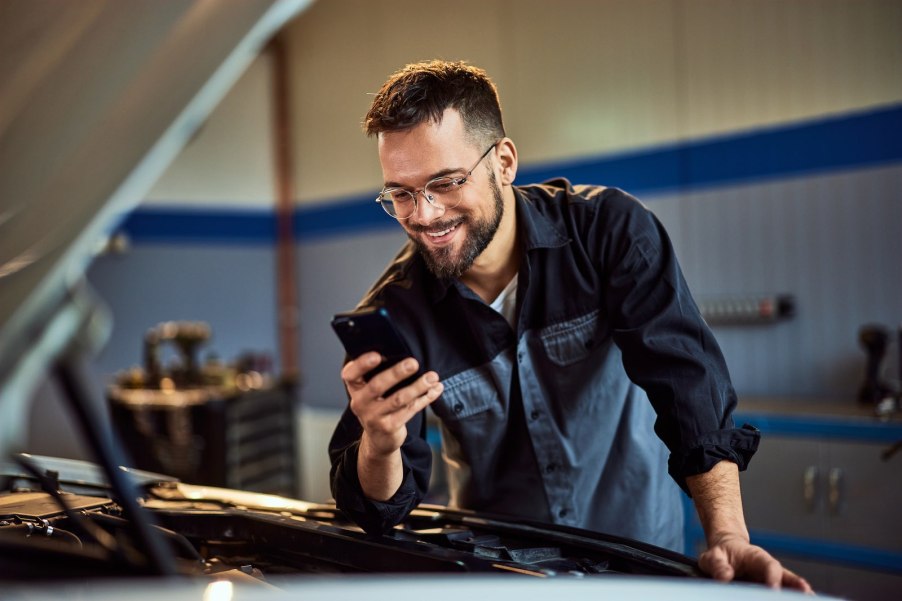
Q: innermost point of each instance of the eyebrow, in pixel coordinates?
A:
(437, 174)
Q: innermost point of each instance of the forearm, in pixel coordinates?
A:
(380, 474)
(718, 502)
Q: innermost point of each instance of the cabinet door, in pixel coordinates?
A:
(783, 485)
(863, 496)
(863, 585)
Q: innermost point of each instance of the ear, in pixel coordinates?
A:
(507, 158)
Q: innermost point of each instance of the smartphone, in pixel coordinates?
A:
(371, 329)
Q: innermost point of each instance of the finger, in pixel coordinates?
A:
(793, 580)
(760, 566)
(773, 575)
(387, 378)
(419, 403)
(424, 400)
(715, 563)
(401, 408)
(395, 411)
(353, 371)
(415, 390)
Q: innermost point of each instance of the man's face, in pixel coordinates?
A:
(449, 240)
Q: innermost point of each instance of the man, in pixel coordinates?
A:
(553, 314)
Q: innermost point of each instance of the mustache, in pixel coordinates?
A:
(436, 226)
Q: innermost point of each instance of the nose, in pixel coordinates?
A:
(426, 212)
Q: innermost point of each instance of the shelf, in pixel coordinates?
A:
(819, 419)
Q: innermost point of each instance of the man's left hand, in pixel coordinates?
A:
(730, 556)
(734, 558)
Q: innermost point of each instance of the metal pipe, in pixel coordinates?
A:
(286, 287)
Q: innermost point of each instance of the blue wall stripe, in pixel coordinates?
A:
(348, 216)
(839, 143)
(847, 142)
(811, 426)
(201, 225)
(857, 140)
(828, 551)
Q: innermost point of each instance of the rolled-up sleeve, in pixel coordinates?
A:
(670, 352)
(378, 517)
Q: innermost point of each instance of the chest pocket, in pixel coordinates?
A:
(571, 341)
(468, 394)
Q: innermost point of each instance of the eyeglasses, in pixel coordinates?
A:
(442, 192)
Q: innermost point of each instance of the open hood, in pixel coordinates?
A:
(98, 96)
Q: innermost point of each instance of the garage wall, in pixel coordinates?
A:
(603, 91)
(627, 94)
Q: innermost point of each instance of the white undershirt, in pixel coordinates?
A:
(506, 303)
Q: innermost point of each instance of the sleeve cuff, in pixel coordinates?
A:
(736, 445)
(375, 517)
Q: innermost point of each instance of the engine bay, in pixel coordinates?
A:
(56, 528)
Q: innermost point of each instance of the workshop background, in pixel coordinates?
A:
(765, 135)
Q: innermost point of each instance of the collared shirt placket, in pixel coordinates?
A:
(546, 442)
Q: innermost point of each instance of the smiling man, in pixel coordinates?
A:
(573, 377)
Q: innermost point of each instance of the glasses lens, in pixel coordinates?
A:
(443, 192)
(397, 203)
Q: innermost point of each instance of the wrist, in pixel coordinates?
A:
(724, 537)
(379, 472)
(719, 504)
(377, 451)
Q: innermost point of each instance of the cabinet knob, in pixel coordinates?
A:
(809, 487)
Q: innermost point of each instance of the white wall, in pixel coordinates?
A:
(229, 162)
(582, 77)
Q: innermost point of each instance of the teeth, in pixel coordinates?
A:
(441, 233)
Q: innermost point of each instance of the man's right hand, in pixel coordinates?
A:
(384, 420)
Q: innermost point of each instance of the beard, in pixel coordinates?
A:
(442, 262)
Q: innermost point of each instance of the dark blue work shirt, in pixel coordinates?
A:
(552, 422)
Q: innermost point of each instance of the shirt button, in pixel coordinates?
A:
(563, 512)
(535, 414)
(520, 355)
(458, 407)
(550, 468)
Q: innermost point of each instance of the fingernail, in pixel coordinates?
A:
(431, 378)
(409, 365)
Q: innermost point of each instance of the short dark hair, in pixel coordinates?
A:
(422, 91)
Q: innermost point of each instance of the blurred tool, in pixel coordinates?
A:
(874, 339)
(206, 423)
(882, 393)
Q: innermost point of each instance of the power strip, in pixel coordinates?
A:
(747, 310)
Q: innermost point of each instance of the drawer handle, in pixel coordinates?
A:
(834, 496)
(809, 487)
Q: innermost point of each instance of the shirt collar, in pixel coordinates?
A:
(536, 230)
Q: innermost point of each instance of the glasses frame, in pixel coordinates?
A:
(415, 194)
